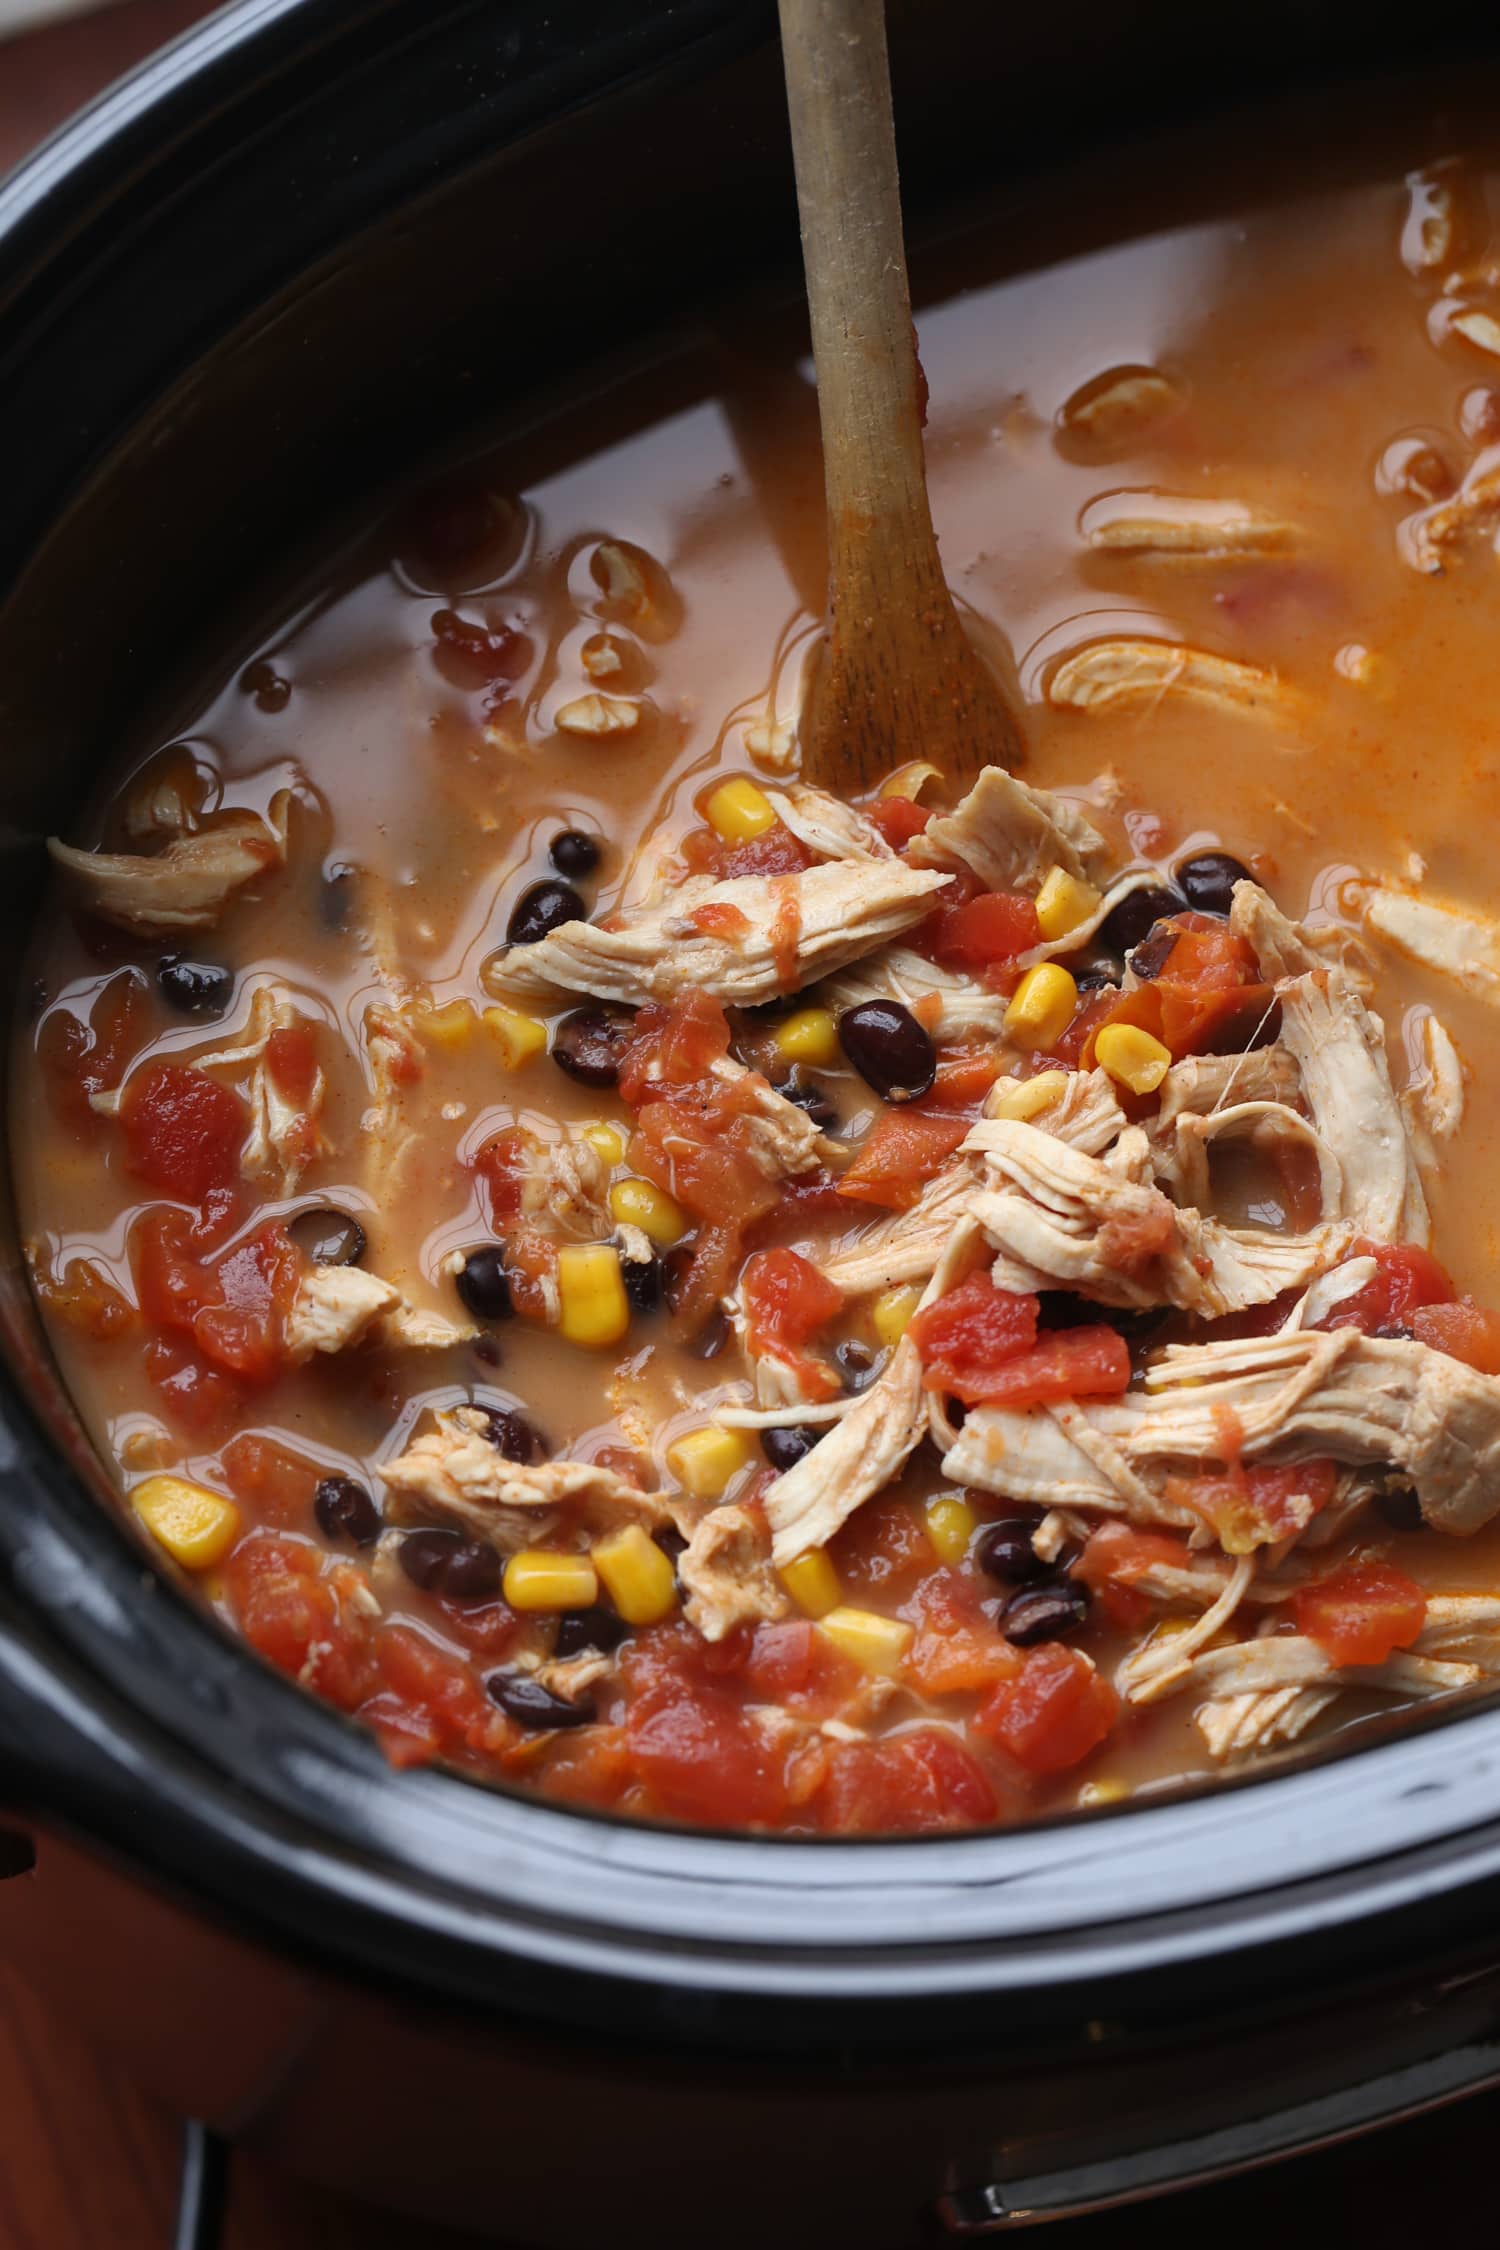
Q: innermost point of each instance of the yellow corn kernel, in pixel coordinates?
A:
(891, 1314)
(950, 1525)
(910, 780)
(519, 1038)
(1063, 902)
(196, 1526)
(545, 1578)
(638, 1577)
(704, 1461)
(1041, 1007)
(608, 1140)
(1022, 1098)
(813, 1583)
(448, 1026)
(636, 1203)
(738, 811)
(879, 1644)
(595, 1309)
(810, 1036)
(1132, 1057)
(1106, 1792)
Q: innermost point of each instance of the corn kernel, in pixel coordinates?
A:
(608, 1140)
(1132, 1057)
(448, 1026)
(638, 1577)
(813, 1583)
(738, 811)
(519, 1038)
(1106, 1792)
(1041, 1007)
(891, 1314)
(704, 1461)
(878, 1644)
(950, 1526)
(595, 1309)
(544, 1578)
(196, 1526)
(810, 1036)
(1023, 1098)
(1063, 902)
(911, 779)
(636, 1203)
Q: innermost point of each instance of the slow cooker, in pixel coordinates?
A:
(259, 279)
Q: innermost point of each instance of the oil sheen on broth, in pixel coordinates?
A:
(1314, 369)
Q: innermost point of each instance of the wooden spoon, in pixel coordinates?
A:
(897, 677)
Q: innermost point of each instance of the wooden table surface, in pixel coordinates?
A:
(89, 2163)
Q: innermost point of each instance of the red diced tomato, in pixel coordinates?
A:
(1362, 1613)
(1053, 1713)
(289, 1610)
(1248, 1508)
(957, 1651)
(1464, 1331)
(195, 1396)
(795, 1664)
(502, 1164)
(969, 1335)
(84, 1298)
(881, 1551)
(243, 1333)
(183, 1131)
(268, 1477)
(292, 1062)
(1118, 1551)
(1088, 1362)
(1405, 1280)
(902, 1153)
(715, 919)
(673, 1047)
(995, 926)
(172, 1283)
(79, 1059)
(703, 1760)
(776, 852)
(964, 1076)
(898, 819)
(910, 1784)
(439, 1688)
(786, 1302)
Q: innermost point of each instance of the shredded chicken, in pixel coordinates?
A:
(1433, 1098)
(286, 1135)
(457, 1472)
(1110, 674)
(1427, 538)
(828, 826)
(187, 885)
(1458, 943)
(726, 1575)
(950, 1005)
(859, 1456)
(335, 1306)
(1007, 834)
(1171, 528)
(745, 940)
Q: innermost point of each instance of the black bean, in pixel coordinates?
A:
(1127, 923)
(884, 1042)
(670, 1540)
(328, 1237)
(445, 1562)
(1156, 948)
(1005, 1552)
(546, 906)
(486, 1351)
(1254, 1022)
(510, 1433)
(1059, 1308)
(856, 1364)
(787, 1444)
(194, 988)
(336, 897)
(573, 853)
(344, 1510)
(531, 1705)
(645, 1283)
(1096, 978)
(1208, 880)
(1395, 1331)
(812, 1098)
(580, 1629)
(1045, 1613)
(1400, 1506)
(590, 1043)
(712, 1337)
(482, 1283)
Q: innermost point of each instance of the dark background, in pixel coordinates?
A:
(87, 2162)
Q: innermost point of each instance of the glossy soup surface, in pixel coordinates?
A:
(1311, 366)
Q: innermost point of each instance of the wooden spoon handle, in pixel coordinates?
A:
(849, 196)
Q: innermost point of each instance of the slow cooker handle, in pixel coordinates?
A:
(971, 2214)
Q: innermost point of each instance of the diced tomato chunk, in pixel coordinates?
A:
(786, 1302)
(673, 1047)
(898, 819)
(502, 1164)
(79, 1059)
(292, 1062)
(84, 1298)
(957, 1651)
(1362, 1613)
(183, 1131)
(910, 1784)
(1405, 1279)
(902, 1153)
(970, 1334)
(1464, 1331)
(196, 1396)
(1206, 992)
(881, 1551)
(964, 1076)
(272, 1479)
(245, 1332)
(776, 852)
(793, 1663)
(1118, 1552)
(995, 926)
(1249, 1508)
(288, 1609)
(1089, 1362)
(1053, 1713)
